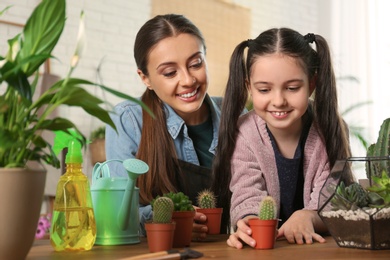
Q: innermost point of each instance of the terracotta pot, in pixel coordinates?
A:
(160, 236)
(21, 196)
(213, 221)
(98, 151)
(183, 231)
(264, 232)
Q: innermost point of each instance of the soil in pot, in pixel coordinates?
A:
(355, 229)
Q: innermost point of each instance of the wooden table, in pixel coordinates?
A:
(216, 248)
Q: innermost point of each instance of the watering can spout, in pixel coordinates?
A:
(134, 168)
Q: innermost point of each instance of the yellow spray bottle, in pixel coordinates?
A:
(73, 226)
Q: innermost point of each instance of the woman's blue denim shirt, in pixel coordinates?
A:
(124, 144)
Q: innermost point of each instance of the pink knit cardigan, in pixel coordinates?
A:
(254, 172)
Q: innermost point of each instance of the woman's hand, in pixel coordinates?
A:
(242, 235)
(199, 229)
(301, 227)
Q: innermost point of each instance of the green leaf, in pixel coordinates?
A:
(42, 32)
(16, 79)
(5, 9)
(57, 123)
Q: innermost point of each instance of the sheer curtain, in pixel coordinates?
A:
(357, 30)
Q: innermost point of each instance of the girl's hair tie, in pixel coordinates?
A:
(310, 37)
(249, 42)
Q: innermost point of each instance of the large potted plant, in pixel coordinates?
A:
(23, 119)
(358, 216)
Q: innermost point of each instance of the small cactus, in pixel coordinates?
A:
(206, 199)
(379, 149)
(267, 209)
(162, 210)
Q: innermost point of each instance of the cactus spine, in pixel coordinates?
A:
(380, 148)
(267, 209)
(206, 199)
(162, 210)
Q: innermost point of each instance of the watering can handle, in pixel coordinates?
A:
(101, 170)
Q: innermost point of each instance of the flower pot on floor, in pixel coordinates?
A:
(160, 236)
(98, 151)
(213, 222)
(264, 232)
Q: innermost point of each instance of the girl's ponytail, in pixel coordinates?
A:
(326, 109)
(236, 95)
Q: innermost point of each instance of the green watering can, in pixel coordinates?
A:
(115, 203)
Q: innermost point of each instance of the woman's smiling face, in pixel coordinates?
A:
(178, 73)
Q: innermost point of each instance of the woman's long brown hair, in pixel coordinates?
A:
(156, 147)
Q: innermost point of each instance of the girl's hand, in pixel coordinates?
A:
(242, 235)
(300, 227)
(199, 229)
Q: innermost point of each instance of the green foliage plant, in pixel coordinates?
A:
(267, 209)
(355, 196)
(206, 199)
(162, 210)
(98, 133)
(22, 118)
(181, 201)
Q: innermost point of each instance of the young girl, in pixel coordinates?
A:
(179, 143)
(286, 146)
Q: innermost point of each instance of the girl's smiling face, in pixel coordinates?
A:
(178, 75)
(280, 92)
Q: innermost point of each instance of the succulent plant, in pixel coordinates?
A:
(267, 209)
(206, 199)
(380, 149)
(162, 210)
(349, 197)
(379, 192)
(181, 201)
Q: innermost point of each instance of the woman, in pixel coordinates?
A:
(178, 143)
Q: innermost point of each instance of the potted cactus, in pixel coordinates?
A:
(207, 205)
(183, 214)
(160, 231)
(356, 215)
(264, 227)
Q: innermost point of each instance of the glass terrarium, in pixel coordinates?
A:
(350, 210)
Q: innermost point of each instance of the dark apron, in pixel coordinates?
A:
(192, 178)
